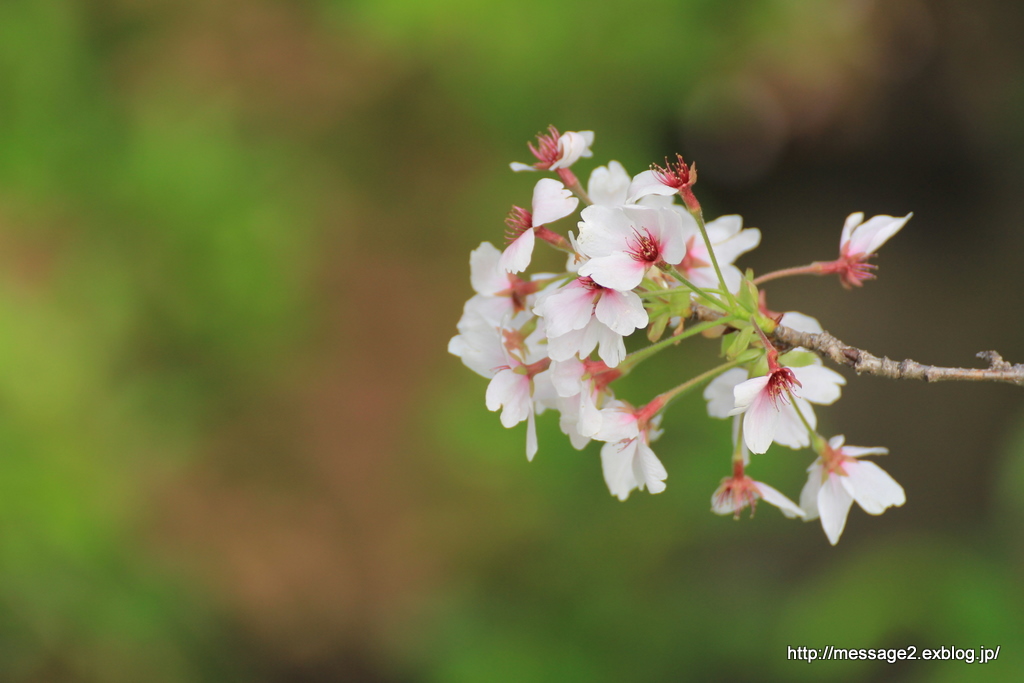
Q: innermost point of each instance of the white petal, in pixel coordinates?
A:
(800, 322)
(819, 384)
(544, 394)
(833, 505)
(618, 271)
(722, 505)
(744, 393)
(608, 184)
(568, 309)
(728, 250)
(618, 423)
(872, 487)
(511, 390)
(719, 394)
(852, 221)
(790, 431)
(603, 231)
(566, 376)
(485, 275)
(617, 466)
(531, 437)
(499, 389)
(551, 201)
(869, 236)
(773, 496)
(623, 312)
(647, 469)
(573, 145)
(809, 494)
(860, 451)
(723, 227)
(611, 348)
(480, 347)
(565, 346)
(647, 183)
(590, 418)
(516, 257)
(760, 422)
(517, 166)
(568, 423)
(708, 278)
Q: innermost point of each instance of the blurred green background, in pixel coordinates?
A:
(234, 241)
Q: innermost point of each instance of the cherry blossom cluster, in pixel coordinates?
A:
(643, 258)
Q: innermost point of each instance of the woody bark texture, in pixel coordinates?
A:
(866, 363)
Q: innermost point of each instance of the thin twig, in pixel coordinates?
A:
(866, 363)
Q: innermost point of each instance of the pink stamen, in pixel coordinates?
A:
(681, 178)
(740, 491)
(644, 248)
(780, 384)
(546, 150)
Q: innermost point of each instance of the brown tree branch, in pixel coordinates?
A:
(864, 362)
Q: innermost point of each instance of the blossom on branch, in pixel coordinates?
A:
(859, 242)
(627, 459)
(739, 491)
(551, 201)
(838, 478)
(641, 260)
(582, 315)
(554, 151)
(623, 243)
(769, 403)
(671, 179)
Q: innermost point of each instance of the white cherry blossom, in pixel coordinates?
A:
(674, 178)
(739, 491)
(622, 243)
(768, 413)
(838, 478)
(582, 314)
(627, 459)
(769, 404)
(554, 151)
(582, 387)
(859, 242)
(551, 201)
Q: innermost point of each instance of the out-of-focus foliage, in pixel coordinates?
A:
(233, 244)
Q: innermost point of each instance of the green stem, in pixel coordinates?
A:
(700, 292)
(699, 216)
(816, 439)
(663, 292)
(675, 392)
(633, 359)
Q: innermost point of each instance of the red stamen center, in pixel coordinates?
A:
(780, 384)
(644, 248)
(740, 492)
(546, 150)
(674, 174)
(518, 221)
